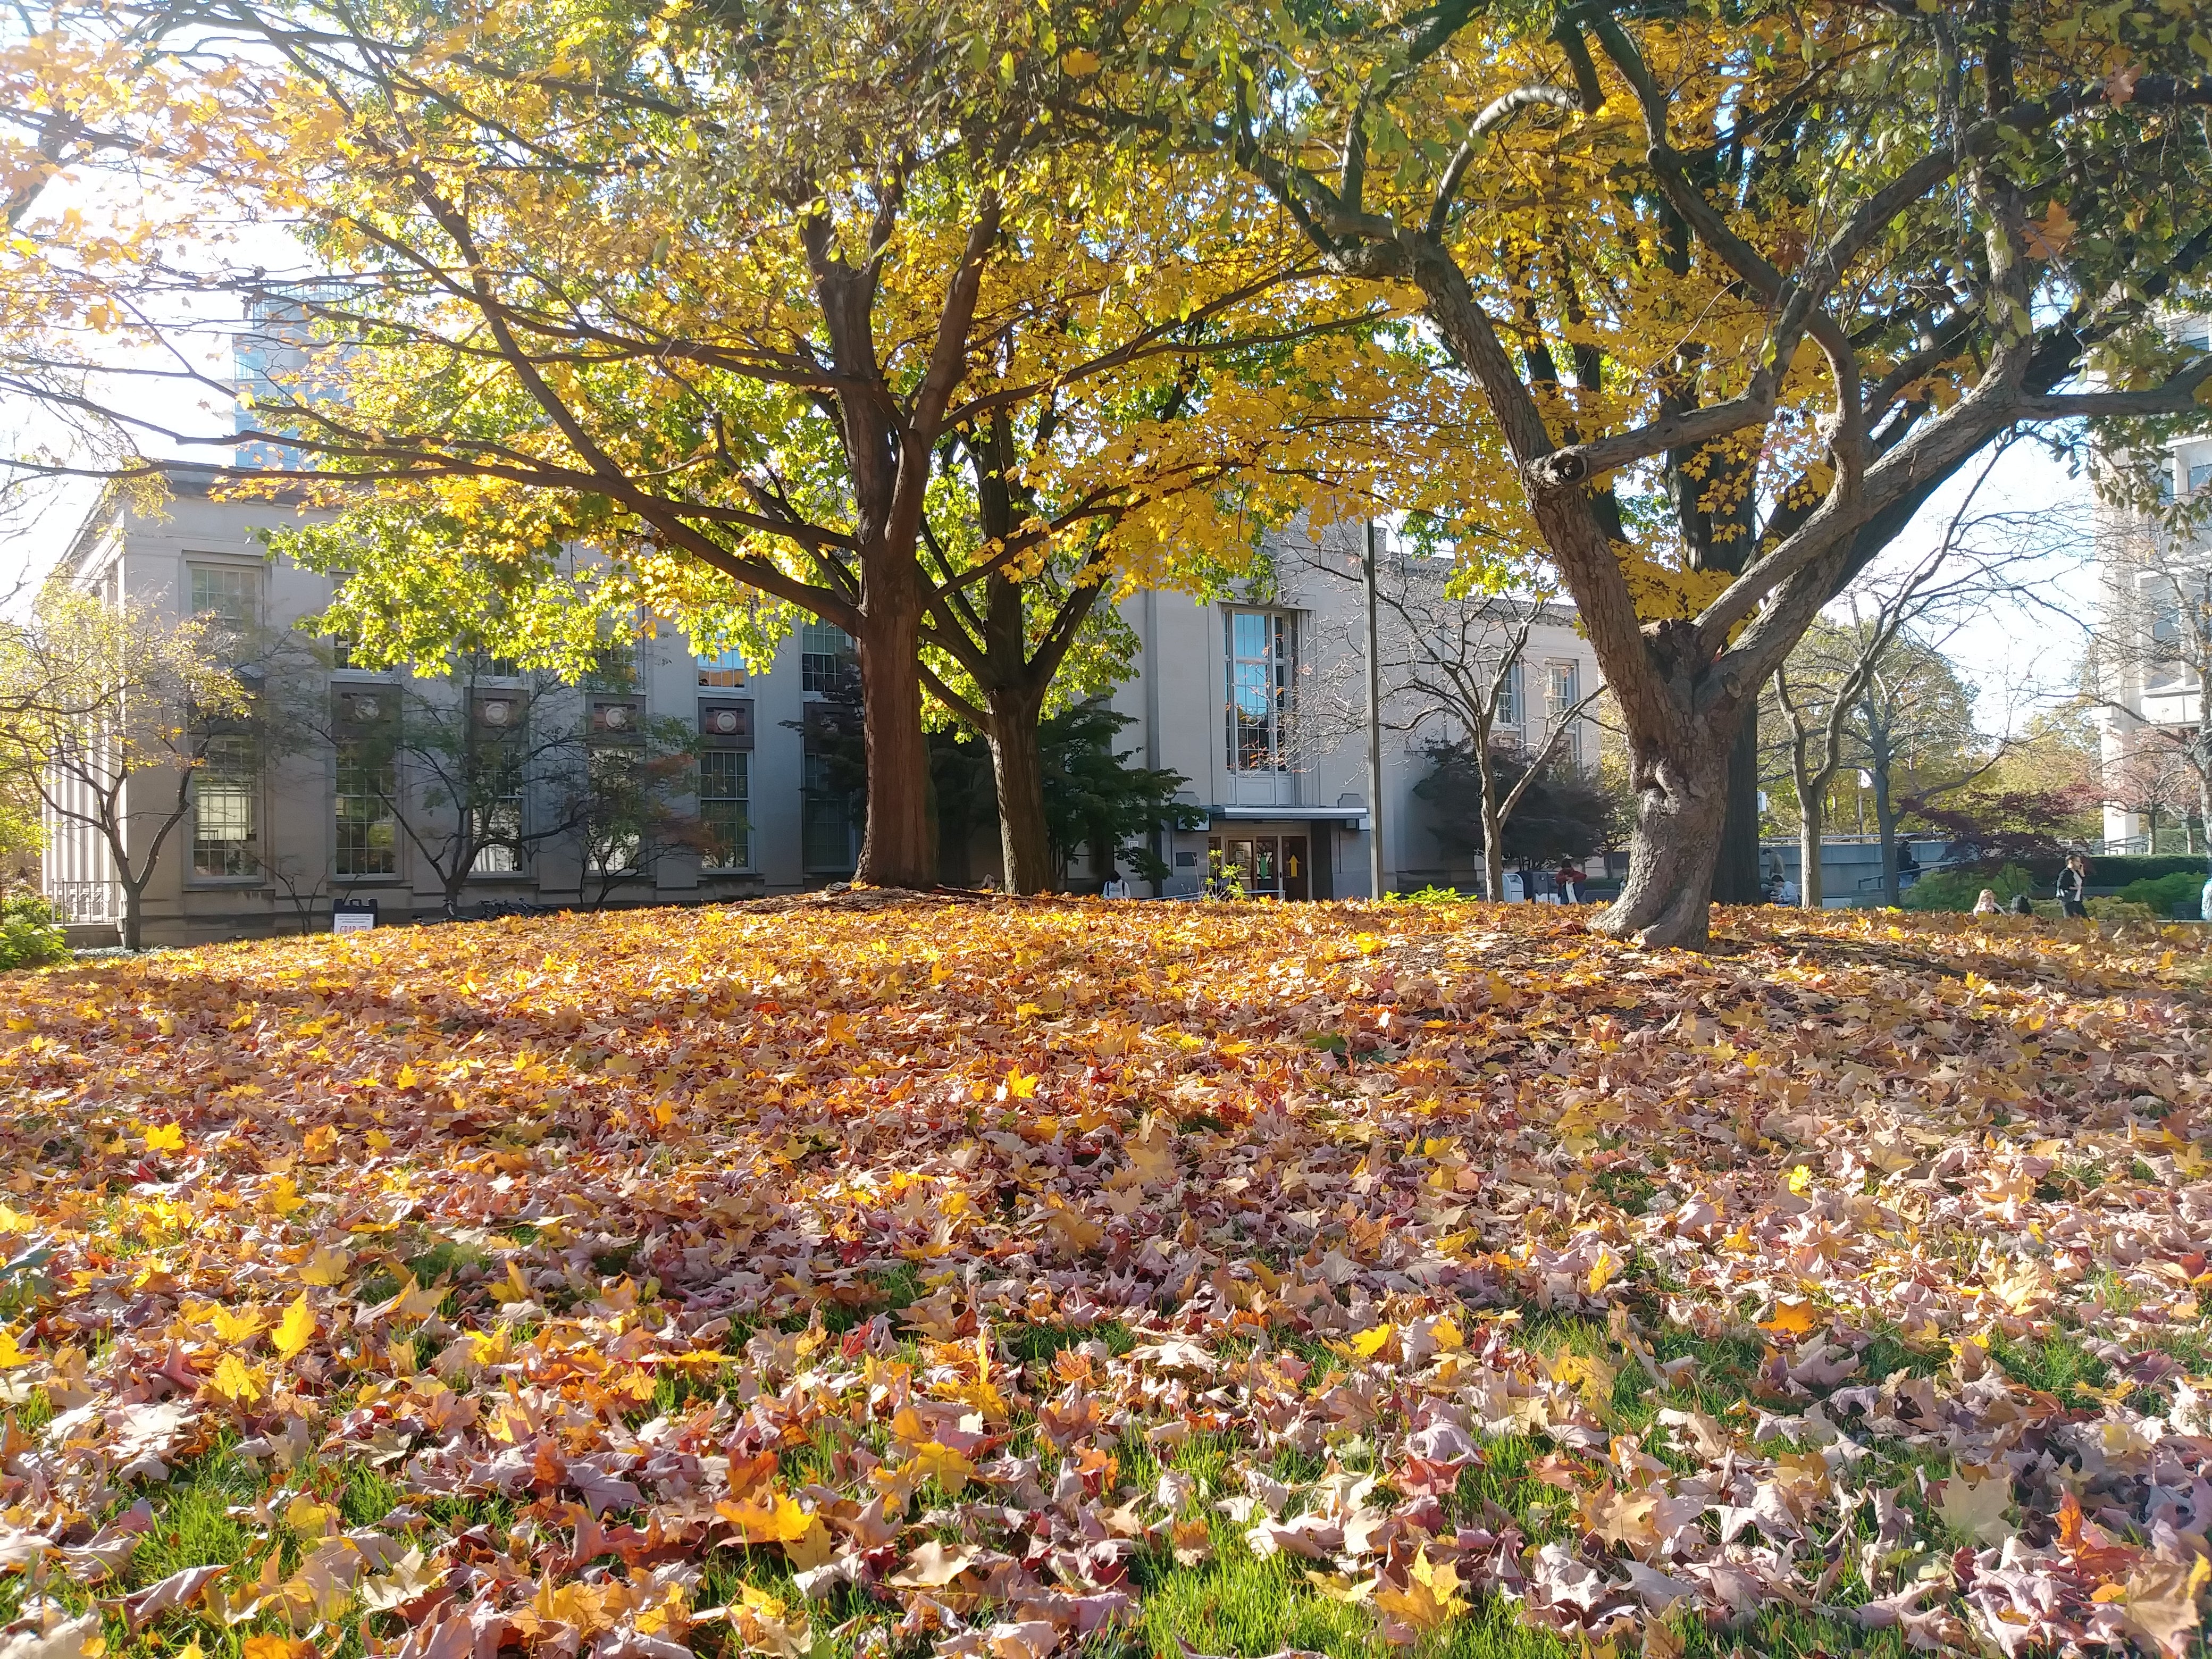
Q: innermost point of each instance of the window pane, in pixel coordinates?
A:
(367, 831)
(724, 668)
(225, 593)
(1259, 691)
(498, 821)
(826, 658)
(826, 819)
(223, 801)
(723, 783)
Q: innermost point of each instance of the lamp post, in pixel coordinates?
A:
(1374, 729)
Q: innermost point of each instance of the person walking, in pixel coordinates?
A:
(2074, 885)
(1115, 888)
(1569, 878)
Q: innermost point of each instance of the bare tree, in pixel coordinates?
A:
(1865, 689)
(107, 712)
(473, 776)
(1450, 659)
(620, 795)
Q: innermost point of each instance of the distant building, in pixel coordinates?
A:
(1218, 696)
(2148, 696)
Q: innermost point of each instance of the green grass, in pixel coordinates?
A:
(1234, 1603)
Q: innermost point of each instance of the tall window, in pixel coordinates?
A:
(826, 660)
(826, 817)
(367, 831)
(614, 666)
(2200, 474)
(723, 668)
(724, 788)
(1562, 689)
(497, 816)
(1259, 691)
(1510, 701)
(225, 592)
(223, 800)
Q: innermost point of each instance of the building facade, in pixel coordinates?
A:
(1224, 693)
(2149, 689)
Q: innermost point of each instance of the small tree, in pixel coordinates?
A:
(1562, 810)
(1450, 654)
(621, 793)
(474, 779)
(1093, 797)
(106, 711)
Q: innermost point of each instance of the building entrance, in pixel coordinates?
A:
(1263, 866)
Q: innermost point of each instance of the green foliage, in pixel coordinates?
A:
(1431, 895)
(1563, 815)
(30, 932)
(1958, 890)
(2162, 893)
(2118, 910)
(1092, 794)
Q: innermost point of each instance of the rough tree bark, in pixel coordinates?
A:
(1735, 871)
(898, 847)
(1017, 768)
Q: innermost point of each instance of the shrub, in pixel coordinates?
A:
(1957, 890)
(30, 932)
(2162, 893)
(1432, 894)
(2120, 910)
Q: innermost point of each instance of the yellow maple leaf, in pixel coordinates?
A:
(933, 1459)
(1022, 1086)
(774, 1518)
(234, 1326)
(165, 1137)
(1369, 1343)
(284, 1195)
(326, 1266)
(1791, 1318)
(296, 1330)
(1430, 1597)
(11, 1355)
(237, 1382)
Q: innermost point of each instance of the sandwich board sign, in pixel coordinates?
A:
(353, 915)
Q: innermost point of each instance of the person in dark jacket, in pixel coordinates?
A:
(2074, 885)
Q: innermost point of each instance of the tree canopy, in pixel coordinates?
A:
(1738, 287)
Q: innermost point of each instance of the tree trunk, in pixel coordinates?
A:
(897, 849)
(134, 917)
(1682, 800)
(1885, 819)
(1493, 823)
(1017, 768)
(1810, 822)
(1735, 873)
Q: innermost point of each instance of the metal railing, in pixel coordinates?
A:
(86, 901)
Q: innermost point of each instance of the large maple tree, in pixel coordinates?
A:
(722, 297)
(1738, 290)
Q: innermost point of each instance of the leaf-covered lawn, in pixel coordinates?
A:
(859, 1277)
